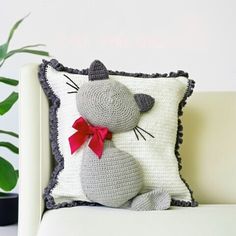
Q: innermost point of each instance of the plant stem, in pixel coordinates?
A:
(2, 63)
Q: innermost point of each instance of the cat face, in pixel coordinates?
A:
(108, 103)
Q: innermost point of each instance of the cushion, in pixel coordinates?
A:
(214, 220)
(154, 143)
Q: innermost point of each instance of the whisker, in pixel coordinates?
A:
(136, 134)
(140, 133)
(145, 131)
(72, 86)
(72, 81)
(72, 92)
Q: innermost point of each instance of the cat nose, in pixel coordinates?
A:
(111, 100)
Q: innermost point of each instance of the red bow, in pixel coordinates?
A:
(84, 131)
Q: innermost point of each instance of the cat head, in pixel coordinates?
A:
(108, 103)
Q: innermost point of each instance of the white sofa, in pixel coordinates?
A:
(209, 166)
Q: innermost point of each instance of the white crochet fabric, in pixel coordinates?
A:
(156, 155)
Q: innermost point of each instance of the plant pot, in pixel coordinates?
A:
(8, 208)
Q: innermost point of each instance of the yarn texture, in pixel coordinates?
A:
(117, 177)
(155, 200)
(108, 103)
(112, 180)
(158, 157)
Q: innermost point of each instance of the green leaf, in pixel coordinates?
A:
(31, 46)
(3, 51)
(6, 105)
(4, 47)
(10, 146)
(9, 81)
(13, 29)
(36, 52)
(31, 51)
(9, 133)
(21, 50)
(17, 173)
(8, 176)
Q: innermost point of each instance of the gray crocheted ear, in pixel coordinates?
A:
(145, 102)
(97, 71)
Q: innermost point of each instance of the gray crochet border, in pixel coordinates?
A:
(54, 104)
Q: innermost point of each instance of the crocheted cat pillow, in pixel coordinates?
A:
(110, 176)
(145, 129)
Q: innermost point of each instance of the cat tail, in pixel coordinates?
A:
(156, 199)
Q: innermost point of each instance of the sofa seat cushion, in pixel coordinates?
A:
(100, 221)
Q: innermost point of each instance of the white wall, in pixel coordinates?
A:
(198, 36)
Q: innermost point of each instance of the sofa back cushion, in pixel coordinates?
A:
(209, 148)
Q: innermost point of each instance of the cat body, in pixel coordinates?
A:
(115, 178)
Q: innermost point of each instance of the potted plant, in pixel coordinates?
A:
(9, 175)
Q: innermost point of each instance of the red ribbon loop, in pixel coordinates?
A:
(84, 131)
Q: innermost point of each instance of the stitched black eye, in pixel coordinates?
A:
(72, 84)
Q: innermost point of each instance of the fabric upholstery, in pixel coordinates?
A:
(205, 220)
(209, 148)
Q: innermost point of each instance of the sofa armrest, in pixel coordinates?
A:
(34, 157)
